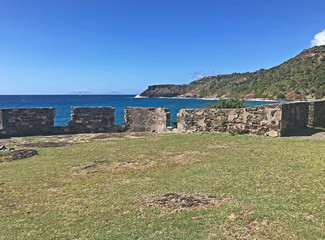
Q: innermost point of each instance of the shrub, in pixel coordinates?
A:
(174, 122)
(280, 96)
(233, 103)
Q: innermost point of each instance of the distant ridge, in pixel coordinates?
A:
(299, 78)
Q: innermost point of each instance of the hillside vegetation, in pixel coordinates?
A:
(300, 78)
(171, 186)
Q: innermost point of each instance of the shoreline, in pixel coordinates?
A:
(218, 99)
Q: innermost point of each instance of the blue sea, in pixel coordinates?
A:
(62, 104)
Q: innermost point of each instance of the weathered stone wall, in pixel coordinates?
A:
(260, 120)
(147, 119)
(1, 119)
(316, 117)
(40, 121)
(270, 120)
(26, 121)
(294, 116)
(91, 119)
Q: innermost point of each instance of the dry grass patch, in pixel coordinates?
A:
(252, 229)
(140, 162)
(240, 214)
(45, 144)
(112, 136)
(179, 201)
(107, 166)
(218, 146)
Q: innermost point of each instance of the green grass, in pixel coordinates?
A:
(279, 180)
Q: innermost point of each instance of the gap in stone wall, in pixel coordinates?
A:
(60, 118)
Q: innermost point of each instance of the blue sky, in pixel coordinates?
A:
(105, 47)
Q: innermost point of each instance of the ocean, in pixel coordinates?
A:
(62, 104)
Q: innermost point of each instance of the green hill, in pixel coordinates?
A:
(300, 78)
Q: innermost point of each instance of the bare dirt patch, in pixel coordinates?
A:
(38, 140)
(252, 226)
(179, 201)
(108, 136)
(45, 144)
(106, 166)
(169, 159)
(17, 155)
(239, 214)
(179, 159)
(252, 229)
(109, 166)
(133, 164)
(105, 136)
(67, 139)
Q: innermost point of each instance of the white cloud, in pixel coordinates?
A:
(319, 39)
(201, 74)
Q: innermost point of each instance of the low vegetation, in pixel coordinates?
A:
(169, 186)
(232, 103)
(174, 122)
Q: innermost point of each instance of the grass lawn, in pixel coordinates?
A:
(270, 188)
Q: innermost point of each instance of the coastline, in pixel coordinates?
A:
(244, 99)
(252, 99)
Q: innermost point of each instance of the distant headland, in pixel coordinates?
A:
(299, 78)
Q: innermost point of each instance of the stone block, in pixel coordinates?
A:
(26, 121)
(294, 116)
(316, 116)
(255, 120)
(147, 119)
(91, 119)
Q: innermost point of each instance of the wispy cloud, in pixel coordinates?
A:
(201, 74)
(319, 39)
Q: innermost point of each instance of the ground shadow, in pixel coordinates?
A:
(305, 132)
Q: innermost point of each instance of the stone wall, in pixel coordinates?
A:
(260, 120)
(268, 120)
(26, 121)
(1, 126)
(40, 121)
(294, 116)
(91, 119)
(316, 117)
(147, 119)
